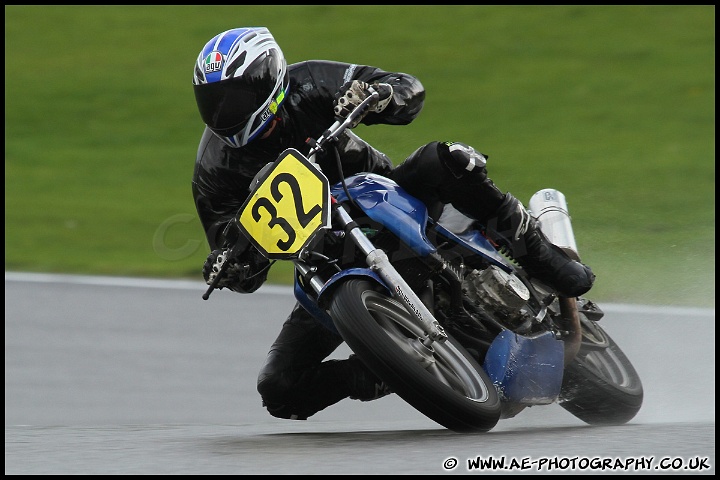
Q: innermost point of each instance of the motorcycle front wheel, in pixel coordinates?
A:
(600, 386)
(442, 380)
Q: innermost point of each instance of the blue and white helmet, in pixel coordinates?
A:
(240, 81)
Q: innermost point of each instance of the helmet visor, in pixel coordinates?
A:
(227, 106)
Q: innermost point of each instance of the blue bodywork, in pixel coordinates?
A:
(525, 370)
(476, 241)
(314, 307)
(386, 203)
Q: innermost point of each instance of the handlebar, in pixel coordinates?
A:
(216, 280)
(340, 126)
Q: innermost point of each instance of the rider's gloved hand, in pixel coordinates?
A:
(351, 94)
(245, 273)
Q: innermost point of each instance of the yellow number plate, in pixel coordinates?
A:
(290, 203)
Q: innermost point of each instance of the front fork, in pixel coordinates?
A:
(379, 263)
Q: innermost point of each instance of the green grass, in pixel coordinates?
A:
(612, 105)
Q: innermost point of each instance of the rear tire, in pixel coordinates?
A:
(443, 382)
(600, 386)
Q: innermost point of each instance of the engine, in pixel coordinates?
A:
(497, 293)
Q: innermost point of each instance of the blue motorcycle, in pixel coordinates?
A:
(452, 325)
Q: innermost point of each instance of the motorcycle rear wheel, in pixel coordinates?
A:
(443, 382)
(600, 386)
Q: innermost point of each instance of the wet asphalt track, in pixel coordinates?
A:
(108, 376)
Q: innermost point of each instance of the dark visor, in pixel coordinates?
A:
(227, 106)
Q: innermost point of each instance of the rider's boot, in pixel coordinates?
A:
(364, 385)
(507, 222)
(512, 227)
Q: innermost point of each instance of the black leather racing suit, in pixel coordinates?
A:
(295, 382)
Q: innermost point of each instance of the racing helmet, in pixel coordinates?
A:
(240, 81)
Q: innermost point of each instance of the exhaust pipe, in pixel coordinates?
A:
(550, 209)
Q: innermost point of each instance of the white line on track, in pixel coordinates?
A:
(199, 285)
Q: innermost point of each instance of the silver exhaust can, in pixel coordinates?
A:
(549, 208)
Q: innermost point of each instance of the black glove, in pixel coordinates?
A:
(352, 94)
(245, 273)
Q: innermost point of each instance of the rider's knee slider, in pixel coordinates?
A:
(462, 159)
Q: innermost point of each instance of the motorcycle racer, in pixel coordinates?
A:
(255, 106)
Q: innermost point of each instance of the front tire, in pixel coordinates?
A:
(601, 386)
(441, 381)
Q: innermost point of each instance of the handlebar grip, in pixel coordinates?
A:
(364, 105)
(241, 244)
(216, 280)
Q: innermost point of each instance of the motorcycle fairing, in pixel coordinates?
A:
(526, 370)
(385, 202)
